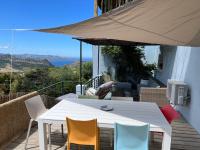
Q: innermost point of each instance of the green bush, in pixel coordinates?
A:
(37, 79)
(128, 60)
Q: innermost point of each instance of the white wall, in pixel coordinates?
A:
(186, 67)
(180, 67)
(95, 60)
(105, 64)
(191, 75)
(169, 53)
(151, 54)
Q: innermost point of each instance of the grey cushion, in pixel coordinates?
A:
(103, 89)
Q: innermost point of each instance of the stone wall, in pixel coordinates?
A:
(14, 118)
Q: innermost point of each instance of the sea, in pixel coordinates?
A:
(61, 63)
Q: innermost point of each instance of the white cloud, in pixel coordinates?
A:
(4, 46)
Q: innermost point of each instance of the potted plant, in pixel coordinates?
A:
(147, 73)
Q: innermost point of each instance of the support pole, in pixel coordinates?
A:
(95, 8)
(98, 66)
(98, 60)
(102, 6)
(81, 67)
(109, 5)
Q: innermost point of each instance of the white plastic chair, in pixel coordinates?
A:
(35, 108)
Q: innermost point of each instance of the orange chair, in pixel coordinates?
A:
(82, 133)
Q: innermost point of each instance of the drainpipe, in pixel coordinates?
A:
(95, 15)
(98, 60)
(81, 67)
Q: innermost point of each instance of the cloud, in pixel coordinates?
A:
(4, 46)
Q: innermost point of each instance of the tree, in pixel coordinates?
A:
(37, 79)
(4, 83)
(87, 70)
(128, 60)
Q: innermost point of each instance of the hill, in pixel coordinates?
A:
(22, 63)
(58, 61)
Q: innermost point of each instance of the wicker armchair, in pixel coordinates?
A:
(156, 95)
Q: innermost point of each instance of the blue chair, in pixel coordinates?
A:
(128, 137)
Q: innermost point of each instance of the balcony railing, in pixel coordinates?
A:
(53, 90)
(94, 82)
(57, 89)
(107, 5)
(14, 118)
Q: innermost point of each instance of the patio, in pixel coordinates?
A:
(184, 137)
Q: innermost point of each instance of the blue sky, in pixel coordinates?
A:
(34, 14)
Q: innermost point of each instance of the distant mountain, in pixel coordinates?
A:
(48, 57)
(21, 63)
(57, 61)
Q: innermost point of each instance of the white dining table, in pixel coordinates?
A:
(125, 112)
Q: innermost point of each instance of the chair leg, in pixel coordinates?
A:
(68, 145)
(49, 128)
(97, 144)
(96, 147)
(28, 133)
(62, 130)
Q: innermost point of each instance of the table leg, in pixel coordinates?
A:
(166, 143)
(42, 135)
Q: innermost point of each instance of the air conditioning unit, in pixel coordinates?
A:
(177, 91)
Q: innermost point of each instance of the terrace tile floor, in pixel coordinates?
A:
(184, 137)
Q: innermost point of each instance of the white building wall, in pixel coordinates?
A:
(169, 53)
(105, 64)
(180, 64)
(151, 54)
(95, 60)
(185, 66)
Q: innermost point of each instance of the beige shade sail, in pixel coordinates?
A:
(169, 22)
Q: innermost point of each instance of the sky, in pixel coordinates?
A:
(36, 14)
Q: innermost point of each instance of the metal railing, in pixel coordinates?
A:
(49, 92)
(107, 5)
(94, 82)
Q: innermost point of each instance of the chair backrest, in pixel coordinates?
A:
(170, 113)
(35, 107)
(128, 137)
(82, 132)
